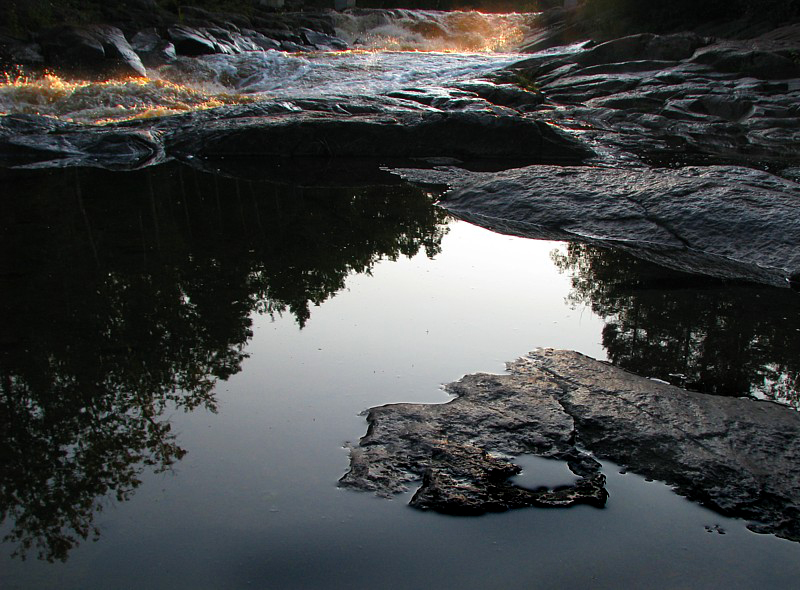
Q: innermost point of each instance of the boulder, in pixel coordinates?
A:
(94, 51)
(758, 63)
(263, 42)
(322, 41)
(191, 41)
(153, 49)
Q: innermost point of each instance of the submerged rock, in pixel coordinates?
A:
(152, 49)
(723, 221)
(737, 456)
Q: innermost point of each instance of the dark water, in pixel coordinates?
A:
(183, 356)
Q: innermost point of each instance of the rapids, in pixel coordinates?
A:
(390, 50)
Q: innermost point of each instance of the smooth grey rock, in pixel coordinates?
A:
(758, 63)
(30, 141)
(322, 41)
(731, 222)
(262, 41)
(15, 54)
(504, 95)
(192, 42)
(737, 456)
(293, 47)
(376, 130)
(643, 46)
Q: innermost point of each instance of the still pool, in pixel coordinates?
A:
(185, 357)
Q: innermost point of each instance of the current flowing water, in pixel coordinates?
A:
(391, 50)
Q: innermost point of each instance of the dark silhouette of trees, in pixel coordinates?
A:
(125, 296)
(702, 333)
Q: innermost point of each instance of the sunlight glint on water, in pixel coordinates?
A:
(406, 48)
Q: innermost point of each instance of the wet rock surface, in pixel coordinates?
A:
(382, 130)
(724, 221)
(461, 450)
(736, 456)
(397, 134)
(131, 37)
(94, 51)
(677, 98)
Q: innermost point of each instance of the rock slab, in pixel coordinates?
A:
(724, 221)
(737, 456)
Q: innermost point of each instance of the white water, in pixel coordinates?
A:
(429, 30)
(393, 50)
(351, 73)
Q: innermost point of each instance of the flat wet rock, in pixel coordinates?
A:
(461, 449)
(381, 129)
(736, 456)
(724, 221)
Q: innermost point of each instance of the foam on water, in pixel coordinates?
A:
(396, 49)
(430, 30)
(347, 73)
(100, 102)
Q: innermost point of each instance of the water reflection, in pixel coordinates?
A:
(702, 333)
(123, 296)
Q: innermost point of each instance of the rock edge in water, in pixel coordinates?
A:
(725, 221)
(736, 456)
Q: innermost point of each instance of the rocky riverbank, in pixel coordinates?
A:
(126, 39)
(633, 112)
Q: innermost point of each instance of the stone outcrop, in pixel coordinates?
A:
(461, 450)
(736, 456)
(677, 99)
(378, 130)
(94, 51)
(42, 142)
(387, 136)
(724, 221)
(140, 35)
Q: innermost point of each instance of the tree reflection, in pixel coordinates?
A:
(702, 333)
(123, 296)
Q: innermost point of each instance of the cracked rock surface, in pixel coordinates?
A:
(737, 456)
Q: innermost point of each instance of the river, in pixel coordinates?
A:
(186, 357)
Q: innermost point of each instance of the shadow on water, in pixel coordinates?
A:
(123, 296)
(701, 333)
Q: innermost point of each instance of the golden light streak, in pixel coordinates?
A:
(104, 102)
